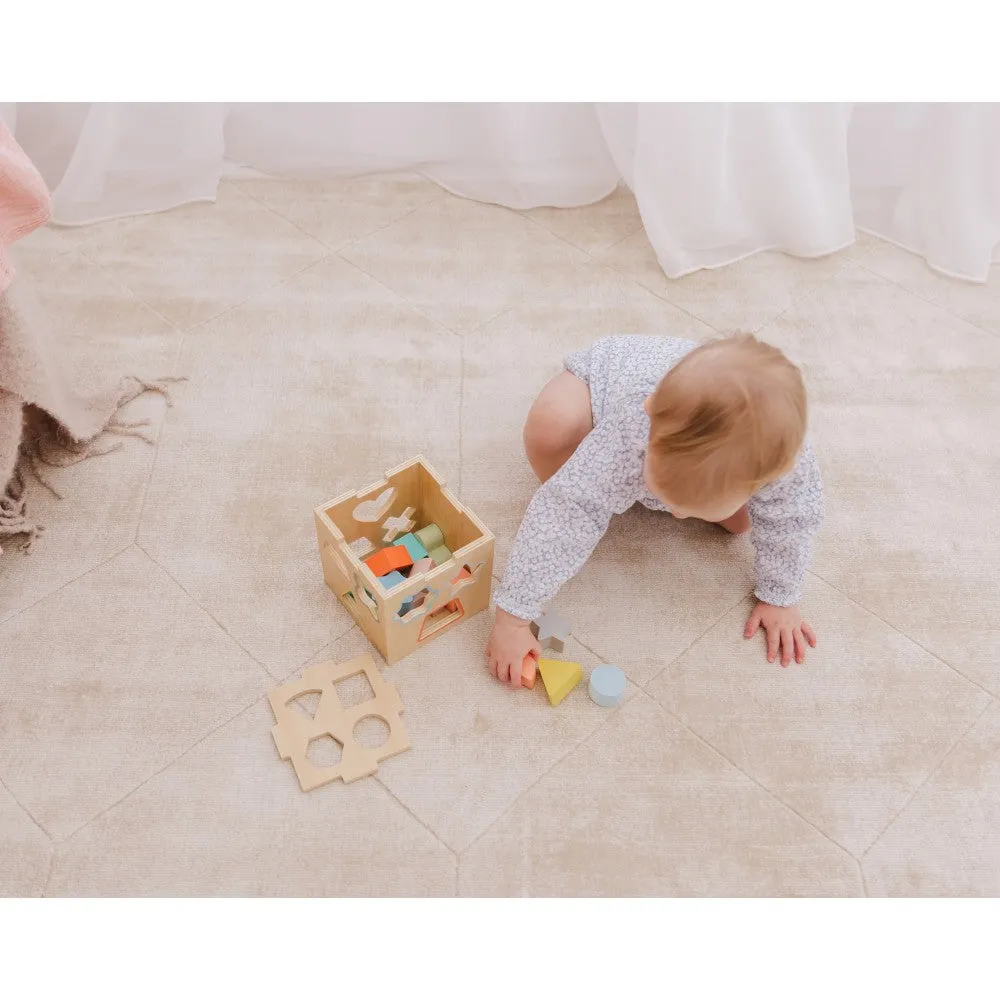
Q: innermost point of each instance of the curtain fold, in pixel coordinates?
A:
(713, 182)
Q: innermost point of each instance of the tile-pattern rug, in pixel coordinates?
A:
(332, 330)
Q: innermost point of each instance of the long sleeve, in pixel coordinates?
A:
(784, 518)
(568, 515)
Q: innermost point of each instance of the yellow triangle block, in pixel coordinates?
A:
(559, 678)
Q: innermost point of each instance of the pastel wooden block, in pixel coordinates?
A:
(529, 671)
(440, 555)
(386, 560)
(551, 631)
(607, 685)
(413, 545)
(430, 536)
(424, 565)
(391, 579)
(559, 678)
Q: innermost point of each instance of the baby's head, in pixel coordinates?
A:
(725, 421)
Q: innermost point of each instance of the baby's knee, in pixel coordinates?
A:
(552, 429)
(560, 417)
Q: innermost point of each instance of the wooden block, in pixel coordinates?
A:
(424, 565)
(440, 555)
(391, 579)
(430, 536)
(607, 685)
(529, 671)
(413, 545)
(386, 560)
(559, 678)
(551, 631)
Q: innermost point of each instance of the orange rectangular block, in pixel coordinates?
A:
(529, 671)
(386, 560)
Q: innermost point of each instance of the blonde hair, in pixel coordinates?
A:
(729, 418)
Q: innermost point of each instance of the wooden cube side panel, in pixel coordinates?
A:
(403, 637)
(336, 568)
(343, 574)
(404, 479)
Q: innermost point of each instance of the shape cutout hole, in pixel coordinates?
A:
(372, 732)
(324, 751)
(440, 619)
(398, 525)
(367, 598)
(354, 690)
(466, 577)
(414, 607)
(377, 508)
(361, 547)
(306, 703)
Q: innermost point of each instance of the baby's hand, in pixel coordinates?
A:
(785, 629)
(510, 642)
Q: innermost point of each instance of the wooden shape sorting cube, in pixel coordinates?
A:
(416, 485)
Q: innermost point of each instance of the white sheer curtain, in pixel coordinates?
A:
(714, 182)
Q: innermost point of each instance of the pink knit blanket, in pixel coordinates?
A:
(24, 199)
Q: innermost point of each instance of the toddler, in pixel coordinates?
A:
(715, 431)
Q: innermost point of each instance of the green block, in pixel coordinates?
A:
(430, 536)
(440, 555)
(413, 546)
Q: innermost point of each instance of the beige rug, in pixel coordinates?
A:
(331, 331)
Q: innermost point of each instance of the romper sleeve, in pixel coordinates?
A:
(568, 516)
(784, 518)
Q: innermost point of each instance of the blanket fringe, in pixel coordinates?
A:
(57, 448)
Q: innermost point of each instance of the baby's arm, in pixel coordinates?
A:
(784, 518)
(564, 522)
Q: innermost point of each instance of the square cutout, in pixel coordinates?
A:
(354, 690)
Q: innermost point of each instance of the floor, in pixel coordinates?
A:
(330, 331)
